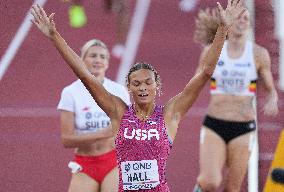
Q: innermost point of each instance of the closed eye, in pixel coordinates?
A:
(135, 83)
(103, 56)
(149, 81)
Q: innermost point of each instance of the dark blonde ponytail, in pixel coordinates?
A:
(206, 25)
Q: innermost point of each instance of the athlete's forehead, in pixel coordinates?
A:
(96, 49)
(142, 75)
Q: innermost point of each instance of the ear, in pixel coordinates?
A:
(159, 90)
(128, 88)
(107, 65)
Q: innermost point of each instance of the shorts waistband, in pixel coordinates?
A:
(210, 118)
(102, 156)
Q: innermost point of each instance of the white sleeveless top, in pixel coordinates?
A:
(89, 117)
(235, 76)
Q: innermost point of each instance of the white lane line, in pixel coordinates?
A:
(133, 39)
(17, 41)
(28, 112)
(270, 126)
(266, 156)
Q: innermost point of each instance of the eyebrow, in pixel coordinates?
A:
(143, 79)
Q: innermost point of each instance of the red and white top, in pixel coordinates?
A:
(89, 117)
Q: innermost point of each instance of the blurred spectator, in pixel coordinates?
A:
(78, 18)
(277, 175)
(187, 5)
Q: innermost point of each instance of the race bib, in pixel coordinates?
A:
(140, 174)
(231, 85)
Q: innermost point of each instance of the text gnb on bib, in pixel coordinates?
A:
(140, 174)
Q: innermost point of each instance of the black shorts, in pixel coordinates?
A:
(229, 130)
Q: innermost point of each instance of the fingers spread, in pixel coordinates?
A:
(42, 12)
(34, 22)
(36, 10)
(220, 8)
(234, 2)
(215, 13)
(51, 18)
(242, 12)
(36, 17)
(239, 3)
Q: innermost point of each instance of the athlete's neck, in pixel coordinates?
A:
(237, 41)
(236, 46)
(144, 111)
(101, 78)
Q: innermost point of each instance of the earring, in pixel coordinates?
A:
(159, 91)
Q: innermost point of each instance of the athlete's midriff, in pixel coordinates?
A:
(232, 108)
(100, 147)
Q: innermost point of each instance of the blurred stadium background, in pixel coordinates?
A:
(32, 156)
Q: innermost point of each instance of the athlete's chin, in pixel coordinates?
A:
(240, 32)
(144, 100)
(97, 73)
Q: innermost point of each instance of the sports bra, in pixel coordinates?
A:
(235, 76)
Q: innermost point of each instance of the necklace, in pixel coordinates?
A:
(144, 117)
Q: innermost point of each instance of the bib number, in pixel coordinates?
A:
(140, 174)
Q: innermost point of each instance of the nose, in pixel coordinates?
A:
(142, 87)
(97, 59)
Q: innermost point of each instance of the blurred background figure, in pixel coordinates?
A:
(228, 129)
(277, 175)
(86, 128)
(120, 7)
(187, 5)
(78, 18)
(28, 117)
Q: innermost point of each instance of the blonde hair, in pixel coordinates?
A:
(91, 43)
(206, 25)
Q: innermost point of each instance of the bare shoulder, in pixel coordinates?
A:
(261, 56)
(121, 106)
(259, 50)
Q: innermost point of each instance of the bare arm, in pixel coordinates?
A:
(104, 99)
(108, 102)
(72, 140)
(177, 107)
(201, 58)
(186, 98)
(264, 62)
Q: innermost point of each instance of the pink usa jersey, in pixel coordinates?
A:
(142, 149)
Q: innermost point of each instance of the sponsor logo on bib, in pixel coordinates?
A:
(140, 174)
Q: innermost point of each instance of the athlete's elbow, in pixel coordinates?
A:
(67, 145)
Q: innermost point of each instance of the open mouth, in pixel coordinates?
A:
(143, 95)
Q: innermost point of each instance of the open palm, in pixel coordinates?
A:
(234, 9)
(44, 23)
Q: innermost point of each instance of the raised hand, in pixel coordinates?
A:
(234, 9)
(44, 23)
